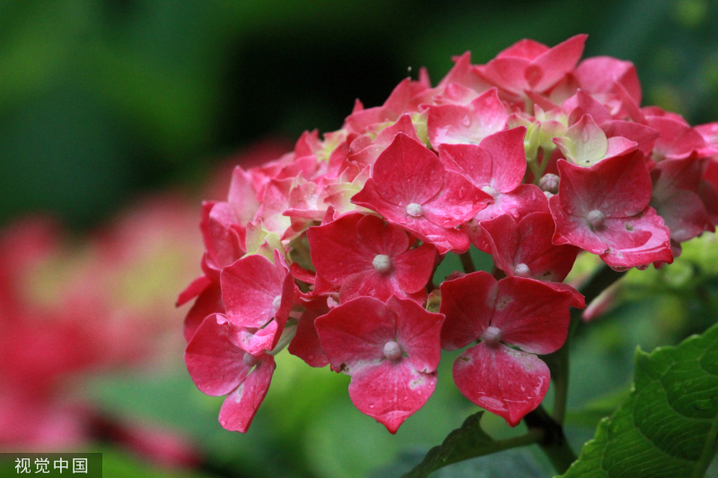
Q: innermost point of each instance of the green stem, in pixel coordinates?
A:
(553, 442)
(467, 262)
(559, 372)
(557, 450)
(602, 279)
(545, 156)
(535, 169)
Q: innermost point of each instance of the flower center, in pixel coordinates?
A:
(490, 191)
(522, 270)
(381, 263)
(414, 210)
(596, 218)
(392, 350)
(250, 360)
(492, 336)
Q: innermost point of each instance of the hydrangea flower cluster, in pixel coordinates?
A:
(330, 250)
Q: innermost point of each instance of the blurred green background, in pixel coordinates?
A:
(101, 101)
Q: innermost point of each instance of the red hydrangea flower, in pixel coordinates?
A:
(531, 66)
(604, 210)
(410, 187)
(452, 124)
(391, 350)
(613, 82)
(676, 199)
(513, 319)
(497, 166)
(258, 296)
(524, 248)
(218, 366)
(364, 256)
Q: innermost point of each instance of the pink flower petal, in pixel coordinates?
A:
(249, 289)
(208, 302)
(407, 172)
(258, 296)
(345, 252)
(380, 237)
(524, 199)
(600, 74)
(504, 381)
(556, 62)
(499, 161)
(467, 305)
(305, 343)
(391, 391)
(214, 363)
(413, 269)
(527, 246)
(241, 405)
(453, 124)
(353, 334)
(337, 251)
(418, 332)
(531, 315)
(193, 290)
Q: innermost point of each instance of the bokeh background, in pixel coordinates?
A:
(118, 116)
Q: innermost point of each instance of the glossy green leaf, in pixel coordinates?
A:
(668, 425)
(463, 443)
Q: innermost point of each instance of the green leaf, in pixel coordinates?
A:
(668, 425)
(463, 443)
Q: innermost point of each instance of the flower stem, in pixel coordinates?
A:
(467, 262)
(558, 361)
(553, 442)
(559, 373)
